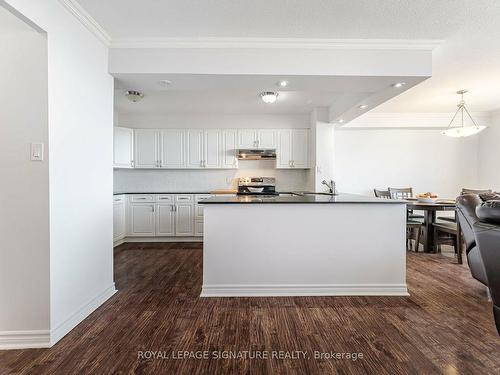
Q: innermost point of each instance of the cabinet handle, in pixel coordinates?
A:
(293, 163)
(153, 207)
(140, 198)
(132, 164)
(171, 208)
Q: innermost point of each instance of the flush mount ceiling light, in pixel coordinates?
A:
(134, 96)
(462, 130)
(340, 120)
(398, 85)
(363, 106)
(283, 83)
(165, 82)
(269, 96)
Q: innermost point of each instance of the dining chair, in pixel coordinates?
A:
(401, 193)
(382, 194)
(446, 233)
(414, 224)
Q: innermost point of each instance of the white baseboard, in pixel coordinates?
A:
(65, 327)
(158, 239)
(24, 339)
(303, 290)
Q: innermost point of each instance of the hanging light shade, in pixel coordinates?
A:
(462, 130)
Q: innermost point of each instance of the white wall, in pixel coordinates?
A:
(489, 154)
(24, 191)
(422, 159)
(212, 121)
(206, 180)
(80, 114)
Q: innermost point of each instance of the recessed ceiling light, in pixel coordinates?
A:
(134, 96)
(269, 96)
(398, 85)
(165, 82)
(340, 120)
(283, 83)
(363, 106)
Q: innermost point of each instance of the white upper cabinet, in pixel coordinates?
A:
(300, 148)
(284, 150)
(247, 138)
(293, 148)
(123, 148)
(194, 148)
(256, 138)
(212, 150)
(266, 138)
(146, 148)
(229, 148)
(207, 148)
(172, 148)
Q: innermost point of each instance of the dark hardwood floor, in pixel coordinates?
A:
(445, 326)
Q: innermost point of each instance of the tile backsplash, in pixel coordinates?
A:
(150, 180)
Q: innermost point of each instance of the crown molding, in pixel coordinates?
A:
(273, 43)
(87, 20)
(409, 120)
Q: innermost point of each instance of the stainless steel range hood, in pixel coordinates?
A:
(256, 154)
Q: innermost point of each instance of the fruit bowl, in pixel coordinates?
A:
(427, 197)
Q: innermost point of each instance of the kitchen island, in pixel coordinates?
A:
(304, 246)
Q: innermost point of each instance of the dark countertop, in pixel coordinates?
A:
(341, 198)
(164, 192)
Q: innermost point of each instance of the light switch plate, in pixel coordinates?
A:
(37, 151)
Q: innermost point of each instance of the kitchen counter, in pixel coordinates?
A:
(304, 198)
(304, 245)
(163, 192)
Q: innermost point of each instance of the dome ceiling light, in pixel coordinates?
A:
(269, 96)
(134, 96)
(462, 130)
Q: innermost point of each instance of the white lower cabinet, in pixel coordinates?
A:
(119, 217)
(184, 220)
(198, 228)
(157, 215)
(142, 218)
(165, 220)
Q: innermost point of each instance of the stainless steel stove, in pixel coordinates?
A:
(257, 186)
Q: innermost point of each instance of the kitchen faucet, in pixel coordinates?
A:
(332, 186)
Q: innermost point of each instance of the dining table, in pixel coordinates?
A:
(430, 213)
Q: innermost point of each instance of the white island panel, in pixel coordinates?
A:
(304, 249)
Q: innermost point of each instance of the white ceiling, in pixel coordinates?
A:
(233, 94)
(468, 58)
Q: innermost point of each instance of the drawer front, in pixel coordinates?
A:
(184, 198)
(165, 198)
(118, 199)
(199, 197)
(142, 198)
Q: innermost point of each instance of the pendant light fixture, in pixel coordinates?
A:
(462, 130)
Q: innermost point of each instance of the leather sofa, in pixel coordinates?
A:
(481, 228)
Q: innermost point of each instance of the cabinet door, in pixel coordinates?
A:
(165, 220)
(142, 220)
(212, 149)
(172, 146)
(247, 138)
(194, 148)
(146, 148)
(198, 228)
(284, 149)
(123, 150)
(229, 147)
(184, 219)
(300, 148)
(118, 220)
(266, 138)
